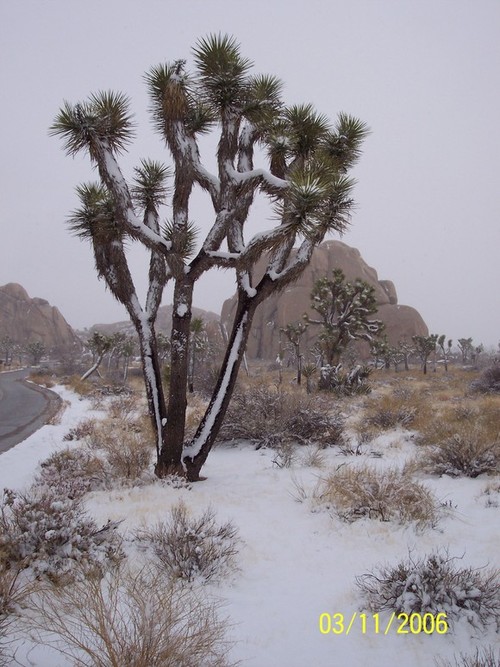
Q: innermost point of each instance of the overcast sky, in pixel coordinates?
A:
(423, 74)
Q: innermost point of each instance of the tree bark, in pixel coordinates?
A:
(170, 457)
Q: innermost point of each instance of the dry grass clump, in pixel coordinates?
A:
(132, 619)
(355, 492)
(484, 657)
(43, 379)
(127, 445)
(13, 593)
(434, 584)
(402, 407)
(190, 548)
(81, 387)
(270, 417)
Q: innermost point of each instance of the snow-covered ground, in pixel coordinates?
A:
(294, 564)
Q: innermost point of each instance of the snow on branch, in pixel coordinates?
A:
(116, 183)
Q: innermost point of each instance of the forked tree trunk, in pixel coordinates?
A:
(196, 453)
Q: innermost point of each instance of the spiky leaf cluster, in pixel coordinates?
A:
(150, 188)
(104, 116)
(95, 220)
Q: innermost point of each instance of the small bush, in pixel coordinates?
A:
(82, 430)
(434, 584)
(272, 417)
(467, 452)
(51, 534)
(355, 492)
(130, 619)
(489, 380)
(189, 548)
(400, 408)
(486, 657)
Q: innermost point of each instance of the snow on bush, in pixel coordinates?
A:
(355, 492)
(192, 548)
(345, 383)
(129, 618)
(434, 584)
(72, 473)
(51, 534)
(485, 657)
(270, 417)
(466, 452)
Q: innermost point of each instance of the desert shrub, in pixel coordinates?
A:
(345, 383)
(434, 584)
(489, 380)
(132, 619)
(354, 492)
(270, 417)
(464, 451)
(71, 473)
(485, 657)
(191, 548)
(51, 534)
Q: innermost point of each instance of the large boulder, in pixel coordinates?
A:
(289, 306)
(27, 320)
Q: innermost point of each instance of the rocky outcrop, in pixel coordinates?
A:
(27, 320)
(290, 305)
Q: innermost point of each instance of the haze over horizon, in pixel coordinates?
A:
(421, 75)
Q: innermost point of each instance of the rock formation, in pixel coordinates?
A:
(290, 305)
(27, 320)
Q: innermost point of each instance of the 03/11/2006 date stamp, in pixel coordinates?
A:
(404, 624)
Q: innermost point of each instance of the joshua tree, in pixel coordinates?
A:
(36, 349)
(306, 179)
(99, 344)
(445, 349)
(345, 309)
(294, 333)
(466, 348)
(424, 347)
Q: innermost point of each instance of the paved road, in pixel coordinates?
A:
(24, 408)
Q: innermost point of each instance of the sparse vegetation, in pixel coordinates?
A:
(489, 380)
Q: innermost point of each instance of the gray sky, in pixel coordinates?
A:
(423, 74)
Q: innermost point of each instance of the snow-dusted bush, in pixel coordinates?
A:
(400, 407)
(191, 548)
(354, 492)
(72, 473)
(468, 452)
(270, 417)
(345, 383)
(485, 657)
(130, 619)
(51, 534)
(489, 380)
(434, 584)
